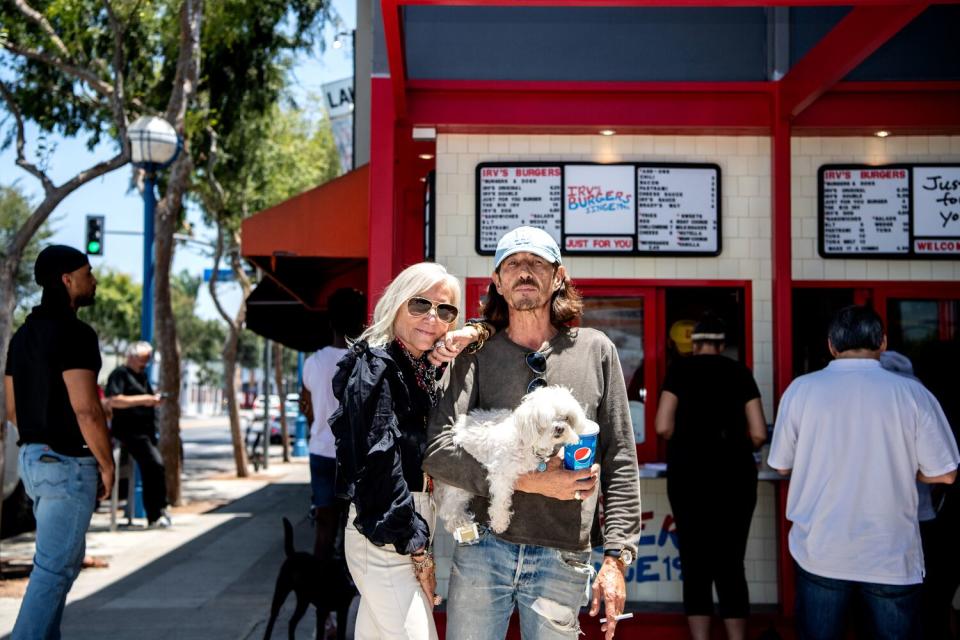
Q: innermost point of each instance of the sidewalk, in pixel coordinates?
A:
(210, 576)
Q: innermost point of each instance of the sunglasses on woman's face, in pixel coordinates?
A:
(538, 364)
(417, 306)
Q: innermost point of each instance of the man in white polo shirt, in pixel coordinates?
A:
(856, 438)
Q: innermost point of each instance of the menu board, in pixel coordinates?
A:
(865, 210)
(677, 209)
(892, 211)
(936, 210)
(603, 209)
(516, 196)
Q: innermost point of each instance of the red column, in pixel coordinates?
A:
(782, 320)
(382, 251)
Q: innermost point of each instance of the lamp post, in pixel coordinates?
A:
(154, 145)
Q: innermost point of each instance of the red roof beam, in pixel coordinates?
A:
(861, 32)
(898, 110)
(547, 109)
(396, 56)
(657, 3)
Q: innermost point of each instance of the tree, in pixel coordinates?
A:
(115, 314)
(14, 211)
(85, 67)
(200, 338)
(266, 159)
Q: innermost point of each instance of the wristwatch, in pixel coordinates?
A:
(625, 556)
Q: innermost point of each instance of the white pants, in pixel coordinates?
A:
(392, 604)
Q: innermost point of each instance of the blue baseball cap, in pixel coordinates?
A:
(528, 240)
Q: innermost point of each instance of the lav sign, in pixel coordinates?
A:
(338, 98)
(936, 210)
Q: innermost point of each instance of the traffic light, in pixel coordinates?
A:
(94, 244)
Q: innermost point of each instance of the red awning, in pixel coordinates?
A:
(307, 247)
(329, 221)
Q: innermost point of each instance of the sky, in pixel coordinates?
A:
(112, 196)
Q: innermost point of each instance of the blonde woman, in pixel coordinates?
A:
(387, 386)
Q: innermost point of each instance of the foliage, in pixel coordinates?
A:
(200, 339)
(115, 314)
(14, 211)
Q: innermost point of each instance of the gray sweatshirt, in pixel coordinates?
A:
(496, 377)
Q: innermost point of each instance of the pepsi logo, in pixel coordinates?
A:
(582, 454)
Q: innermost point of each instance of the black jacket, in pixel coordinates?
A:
(380, 428)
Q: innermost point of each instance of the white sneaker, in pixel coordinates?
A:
(163, 522)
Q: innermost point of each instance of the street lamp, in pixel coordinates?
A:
(154, 144)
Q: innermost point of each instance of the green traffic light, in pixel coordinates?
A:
(93, 247)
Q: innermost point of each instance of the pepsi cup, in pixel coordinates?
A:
(581, 455)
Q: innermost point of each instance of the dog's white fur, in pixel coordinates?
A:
(509, 444)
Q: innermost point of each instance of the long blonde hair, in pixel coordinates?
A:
(410, 282)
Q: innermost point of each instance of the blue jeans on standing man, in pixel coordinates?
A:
(489, 578)
(64, 492)
(892, 611)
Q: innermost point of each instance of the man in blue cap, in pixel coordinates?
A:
(541, 563)
(51, 392)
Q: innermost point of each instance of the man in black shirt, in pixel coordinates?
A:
(132, 401)
(51, 395)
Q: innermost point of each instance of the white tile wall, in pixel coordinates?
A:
(745, 184)
(808, 154)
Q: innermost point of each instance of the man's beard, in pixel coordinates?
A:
(525, 302)
(85, 300)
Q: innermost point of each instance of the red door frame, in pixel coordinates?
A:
(654, 323)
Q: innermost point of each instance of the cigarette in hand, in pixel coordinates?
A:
(622, 616)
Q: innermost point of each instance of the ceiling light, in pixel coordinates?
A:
(882, 133)
(607, 132)
(426, 156)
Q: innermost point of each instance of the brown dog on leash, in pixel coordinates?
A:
(322, 583)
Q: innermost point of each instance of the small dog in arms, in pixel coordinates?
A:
(509, 444)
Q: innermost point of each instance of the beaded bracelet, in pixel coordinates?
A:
(419, 566)
(483, 334)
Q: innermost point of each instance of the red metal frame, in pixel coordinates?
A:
(382, 255)
(781, 239)
(850, 42)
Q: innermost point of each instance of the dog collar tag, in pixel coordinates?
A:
(542, 466)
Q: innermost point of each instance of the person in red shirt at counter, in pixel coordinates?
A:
(710, 414)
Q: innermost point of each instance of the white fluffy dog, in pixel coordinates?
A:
(510, 443)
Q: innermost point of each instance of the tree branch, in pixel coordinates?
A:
(22, 162)
(38, 19)
(118, 97)
(53, 198)
(217, 255)
(188, 63)
(84, 75)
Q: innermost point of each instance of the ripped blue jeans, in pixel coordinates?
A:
(490, 578)
(64, 492)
